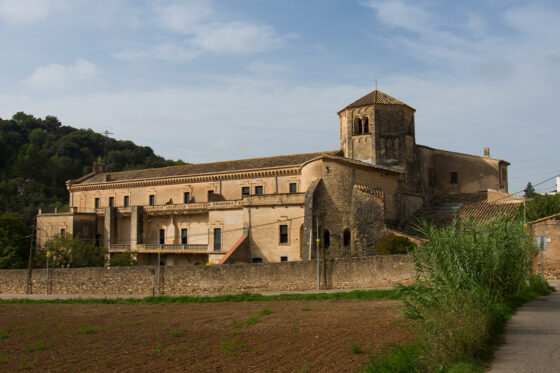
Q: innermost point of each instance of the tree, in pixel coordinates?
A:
(14, 241)
(72, 252)
(541, 206)
(529, 190)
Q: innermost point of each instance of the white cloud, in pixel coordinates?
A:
(26, 11)
(56, 77)
(197, 28)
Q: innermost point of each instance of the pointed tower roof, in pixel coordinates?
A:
(375, 97)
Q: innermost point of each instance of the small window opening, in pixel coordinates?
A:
(162, 236)
(293, 188)
(283, 234)
(210, 195)
(257, 260)
(346, 237)
(357, 126)
(245, 191)
(217, 239)
(97, 240)
(126, 201)
(327, 239)
(62, 232)
(454, 177)
(152, 200)
(366, 125)
(258, 190)
(283, 258)
(111, 201)
(186, 197)
(96, 203)
(184, 236)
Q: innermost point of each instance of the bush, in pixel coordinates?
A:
(391, 244)
(72, 252)
(125, 259)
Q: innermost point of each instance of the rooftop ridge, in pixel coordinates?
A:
(375, 97)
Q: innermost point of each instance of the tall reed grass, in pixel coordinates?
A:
(464, 273)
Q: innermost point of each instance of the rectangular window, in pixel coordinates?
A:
(152, 200)
(126, 201)
(111, 201)
(217, 239)
(257, 260)
(258, 190)
(97, 240)
(210, 195)
(184, 236)
(293, 188)
(186, 197)
(96, 203)
(162, 236)
(283, 234)
(454, 177)
(283, 258)
(62, 232)
(245, 191)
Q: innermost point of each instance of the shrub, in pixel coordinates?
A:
(125, 259)
(391, 244)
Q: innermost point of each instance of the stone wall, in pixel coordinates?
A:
(347, 273)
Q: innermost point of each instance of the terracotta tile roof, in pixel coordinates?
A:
(207, 168)
(375, 97)
(442, 212)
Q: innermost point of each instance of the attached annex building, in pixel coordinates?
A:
(273, 209)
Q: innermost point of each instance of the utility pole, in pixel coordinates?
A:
(29, 282)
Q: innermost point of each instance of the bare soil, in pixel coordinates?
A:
(269, 336)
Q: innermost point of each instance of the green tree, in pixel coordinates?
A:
(529, 190)
(540, 206)
(14, 241)
(72, 252)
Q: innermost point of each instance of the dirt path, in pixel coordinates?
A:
(271, 336)
(532, 338)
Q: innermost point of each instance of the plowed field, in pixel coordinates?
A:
(267, 336)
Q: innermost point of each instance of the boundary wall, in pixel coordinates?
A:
(346, 273)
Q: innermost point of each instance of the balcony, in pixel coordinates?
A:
(165, 249)
(172, 248)
(275, 199)
(192, 208)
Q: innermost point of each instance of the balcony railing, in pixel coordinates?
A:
(172, 248)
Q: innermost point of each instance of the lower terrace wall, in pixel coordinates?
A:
(346, 273)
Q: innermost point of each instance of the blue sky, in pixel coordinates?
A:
(217, 80)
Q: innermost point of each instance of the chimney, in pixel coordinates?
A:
(487, 152)
(98, 167)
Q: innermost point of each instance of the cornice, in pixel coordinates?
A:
(187, 179)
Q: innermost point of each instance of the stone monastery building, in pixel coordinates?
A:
(273, 209)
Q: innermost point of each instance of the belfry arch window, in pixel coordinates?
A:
(366, 125)
(357, 126)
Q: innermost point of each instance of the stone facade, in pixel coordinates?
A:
(346, 273)
(343, 200)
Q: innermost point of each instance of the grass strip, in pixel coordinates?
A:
(242, 297)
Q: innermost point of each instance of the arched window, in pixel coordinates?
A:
(357, 126)
(346, 237)
(326, 239)
(366, 125)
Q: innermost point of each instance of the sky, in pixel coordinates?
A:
(206, 81)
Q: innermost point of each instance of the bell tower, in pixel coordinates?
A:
(378, 129)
